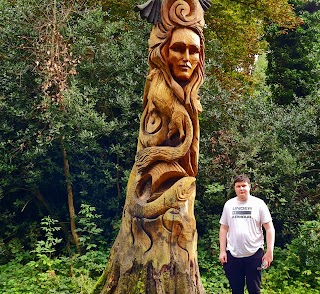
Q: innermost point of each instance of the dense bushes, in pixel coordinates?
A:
(47, 270)
(296, 268)
(278, 146)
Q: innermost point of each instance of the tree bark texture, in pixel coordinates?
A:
(156, 248)
(70, 198)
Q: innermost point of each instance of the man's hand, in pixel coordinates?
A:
(270, 235)
(268, 257)
(223, 257)
(223, 243)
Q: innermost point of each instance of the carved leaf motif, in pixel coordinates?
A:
(205, 4)
(151, 11)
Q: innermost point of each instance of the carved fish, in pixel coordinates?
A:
(151, 10)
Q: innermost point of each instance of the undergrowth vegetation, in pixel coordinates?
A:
(44, 269)
(70, 135)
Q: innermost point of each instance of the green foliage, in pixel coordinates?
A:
(88, 229)
(234, 37)
(294, 67)
(276, 146)
(98, 124)
(114, 65)
(212, 274)
(18, 278)
(50, 272)
(296, 268)
(45, 248)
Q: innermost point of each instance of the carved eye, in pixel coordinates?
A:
(194, 50)
(178, 47)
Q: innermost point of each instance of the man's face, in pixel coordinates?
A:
(184, 53)
(242, 190)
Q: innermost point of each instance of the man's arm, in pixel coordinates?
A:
(223, 243)
(270, 237)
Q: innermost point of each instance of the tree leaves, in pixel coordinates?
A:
(237, 28)
(293, 61)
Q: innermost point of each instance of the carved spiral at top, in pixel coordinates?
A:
(151, 9)
(182, 13)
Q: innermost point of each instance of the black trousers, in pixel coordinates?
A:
(244, 270)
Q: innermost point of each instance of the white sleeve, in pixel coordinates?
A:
(265, 214)
(224, 219)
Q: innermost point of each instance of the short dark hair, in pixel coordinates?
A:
(241, 178)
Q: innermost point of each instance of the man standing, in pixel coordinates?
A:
(241, 238)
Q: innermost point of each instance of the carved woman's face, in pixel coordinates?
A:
(184, 53)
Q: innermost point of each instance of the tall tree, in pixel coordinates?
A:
(235, 35)
(55, 64)
(156, 248)
(277, 146)
(47, 120)
(98, 116)
(294, 55)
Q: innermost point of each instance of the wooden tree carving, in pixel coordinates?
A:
(156, 248)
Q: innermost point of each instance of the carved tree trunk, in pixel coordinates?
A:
(156, 248)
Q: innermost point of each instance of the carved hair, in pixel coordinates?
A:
(178, 14)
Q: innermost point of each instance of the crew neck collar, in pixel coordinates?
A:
(243, 202)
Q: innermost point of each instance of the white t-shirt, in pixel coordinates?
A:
(245, 219)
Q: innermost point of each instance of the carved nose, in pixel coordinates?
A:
(186, 55)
